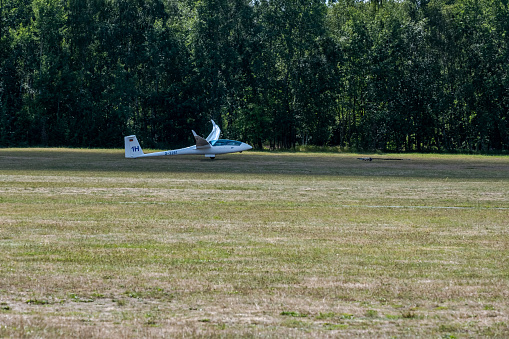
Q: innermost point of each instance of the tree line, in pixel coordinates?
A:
(408, 75)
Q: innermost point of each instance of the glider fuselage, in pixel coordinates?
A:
(193, 150)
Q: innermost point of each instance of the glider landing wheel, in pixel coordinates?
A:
(212, 158)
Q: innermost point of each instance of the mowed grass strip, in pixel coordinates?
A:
(256, 244)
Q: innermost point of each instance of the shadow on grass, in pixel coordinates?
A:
(256, 163)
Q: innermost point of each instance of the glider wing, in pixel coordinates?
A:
(200, 142)
(216, 132)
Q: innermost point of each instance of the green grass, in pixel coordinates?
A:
(256, 244)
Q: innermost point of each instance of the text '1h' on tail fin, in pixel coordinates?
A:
(132, 147)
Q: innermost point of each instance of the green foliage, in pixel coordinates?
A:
(379, 75)
(332, 327)
(37, 302)
(294, 314)
(326, 315)
(371, 313)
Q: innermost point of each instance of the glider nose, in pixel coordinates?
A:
(246, 146)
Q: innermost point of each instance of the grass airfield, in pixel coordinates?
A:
(252, 245)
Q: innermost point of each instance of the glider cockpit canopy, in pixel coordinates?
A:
(225, 142)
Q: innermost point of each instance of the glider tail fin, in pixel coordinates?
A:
(132, 147)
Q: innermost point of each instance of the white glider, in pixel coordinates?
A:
(209, 147)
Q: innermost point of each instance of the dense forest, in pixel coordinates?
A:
(406, 75)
